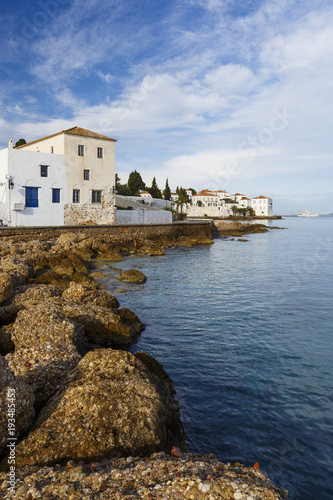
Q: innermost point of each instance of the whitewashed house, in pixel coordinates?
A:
(145, 194)
(33, 189)
(90, 173)
(263, 206)
(219, 204)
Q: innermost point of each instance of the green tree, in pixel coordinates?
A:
(234, 209)
(20, 142)
(251, 211)
(135, 183)
(167, 191)
(199, 203)
(154, 189)
(122, 189)
(183, 194)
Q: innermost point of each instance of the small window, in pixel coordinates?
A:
(31, 197)
(80, 150)
(86, 175)
(44, 170)
(76, 196)
(99, 152)
(96, 197)
(55, 195)
(52, 149)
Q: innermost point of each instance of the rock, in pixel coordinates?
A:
(6, 343)
(132, 276)
(112, 405)
(50, 277)
(160, 476)
(78, 263)
(84, 295)
(6, 287)
(84, 280)
(67, 239)
(20, 395)
(43, 367)
(18, 269)
(45, 323)
(61, 265)
(104, 326)
(28, 295)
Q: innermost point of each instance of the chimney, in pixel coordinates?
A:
(10, 144)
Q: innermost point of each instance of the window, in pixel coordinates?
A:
(99, 152)
(55, 195)
(31, 197)
(96, 197)
(76, 196)
(80, 150)
(44, 170)
(52, 149)
(86, 175)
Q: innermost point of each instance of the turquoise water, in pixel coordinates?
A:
(245, 331)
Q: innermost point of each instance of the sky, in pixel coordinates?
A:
(211, 94)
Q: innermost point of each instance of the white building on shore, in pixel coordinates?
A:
(63, 178)
(223, 204)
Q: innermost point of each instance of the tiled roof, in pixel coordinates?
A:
(72, 131)
(260, 198)
(205, 193)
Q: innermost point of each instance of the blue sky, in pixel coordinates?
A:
(216, 94)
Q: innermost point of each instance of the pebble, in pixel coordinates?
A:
(158, 477)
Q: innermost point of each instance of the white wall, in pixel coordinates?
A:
(142, 216)
(24, 168)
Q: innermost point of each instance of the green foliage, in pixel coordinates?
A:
(122, 189)
(199, 203)
(154, 189)
(135, 183)
(251, 211)
(20, 142)
(167, 191)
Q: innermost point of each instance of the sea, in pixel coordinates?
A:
(244, 330)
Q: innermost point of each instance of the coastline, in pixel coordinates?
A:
(34, 278)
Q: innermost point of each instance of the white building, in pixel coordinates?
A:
(33, 188)
(263, 206)
(145, 194)
(88, 185)
(220, 203)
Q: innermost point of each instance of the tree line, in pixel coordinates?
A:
(135, 184)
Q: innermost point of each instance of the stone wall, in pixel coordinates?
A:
(199, 231)
(97, 213)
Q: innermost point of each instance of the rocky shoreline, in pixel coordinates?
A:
(91, 420)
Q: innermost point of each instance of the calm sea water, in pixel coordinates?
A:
(244, 329)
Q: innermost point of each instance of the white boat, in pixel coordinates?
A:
(306, 213)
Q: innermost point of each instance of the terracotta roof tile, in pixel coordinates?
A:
(71, 131)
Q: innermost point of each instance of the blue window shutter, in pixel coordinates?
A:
(31, 197)
(55, 195)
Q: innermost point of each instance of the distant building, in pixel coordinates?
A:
(145, 194)
(262, 206)
(221, 204)
(80, 164)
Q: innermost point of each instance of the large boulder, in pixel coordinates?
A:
(104, 326)
(45, 323)
(132, 276)
(84, 295)
(111, 406)
(43, 367)
(17, 268)
(17, 402)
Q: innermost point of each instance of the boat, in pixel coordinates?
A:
(306, 213)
